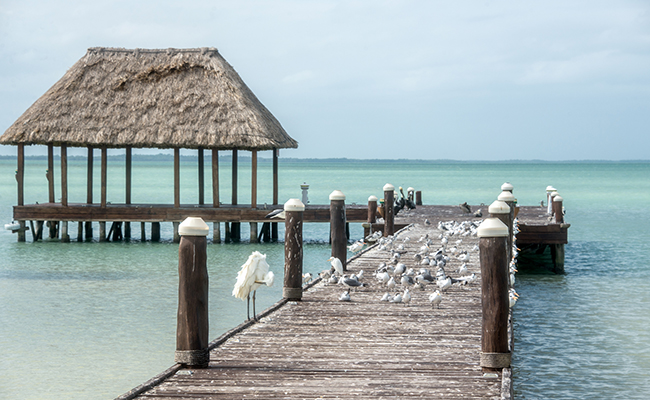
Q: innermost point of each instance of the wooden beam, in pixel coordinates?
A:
(254, 179)
(103, 177)
(64, 176)
(20, 174)
(201, 178)
(177, 178)
(127, 198)
(234, 176)
(276, 154)
(215, 178)
(50, 171)
(89, 177)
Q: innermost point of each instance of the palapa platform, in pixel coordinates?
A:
(321, 347)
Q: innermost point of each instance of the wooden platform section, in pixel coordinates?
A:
(321, 347)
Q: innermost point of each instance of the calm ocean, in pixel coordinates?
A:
(91, 321)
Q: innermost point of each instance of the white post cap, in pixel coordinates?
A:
(372, 198)
(507, 187)
(558, 199)
(506, 196)
(388, 187)
(337, 195)
(492, 227)
(499, 207)
(304, 186)
(410, 189)
(294, 205)
(550, 188)
(193, 226)
(553, 194)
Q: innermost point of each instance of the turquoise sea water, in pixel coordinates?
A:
(91, 321)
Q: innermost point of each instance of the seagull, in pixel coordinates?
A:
(465, 207)
(383, 277)
(444, 283)
(462, 269)
(345, 296)
(391, 283)
(351, 282)
(386, 297)
(356, 246)
(512, 297)
(406, 297)
(279, 214)
(306, 278)
(400, 268)
(336, 264)
(407, 280)
(435, 299)
(397, 298)
(253, 274)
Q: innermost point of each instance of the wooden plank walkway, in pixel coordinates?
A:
(321, 347)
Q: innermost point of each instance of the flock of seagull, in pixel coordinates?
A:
(426, 266)
(403, 274)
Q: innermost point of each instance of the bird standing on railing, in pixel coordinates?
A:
(253, 274)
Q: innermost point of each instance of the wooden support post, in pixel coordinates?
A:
(192, 318)
(294, 210)
(557, 255)
(80, 231)
(557, 209)
(216, 232)
(389, 204)
(509, 199)
(117, 231)
(418, 198)
(235, 232)
(64, 175)
(215, 178)
(65, 237)
(337, 227)
(253, 225)
(155, 231)
(102, 231)
(50, 172)
(227, 237)
(127, 196)
(274, 225)
(235, 227)
(253, 232)
(201, 177)
(494, 290)
(176, 237)
(54, 229)
(89, 192)
(177, 178)
(39, 231)
(143, 232)
(103, 176)
(372, 209)
(20, 180)
(265, 233)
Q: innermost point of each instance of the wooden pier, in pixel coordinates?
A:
(321, 347)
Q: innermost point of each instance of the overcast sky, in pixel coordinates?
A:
(482, 80)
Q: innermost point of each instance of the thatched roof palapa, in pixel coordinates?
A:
(174, 98)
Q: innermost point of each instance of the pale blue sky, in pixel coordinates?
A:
(483, 80)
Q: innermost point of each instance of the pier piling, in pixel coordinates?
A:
(293, 221)
(389, 204)
(494, 291)
(337, 226)
(192, 318)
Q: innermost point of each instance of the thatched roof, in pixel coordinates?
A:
(174, 98)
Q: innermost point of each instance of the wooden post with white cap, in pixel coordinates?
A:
(293, 219)
(389, 204)
(549, 201)
(494, 291)
(557, 209)
(509, 199)
(337, 226)
(192, 319)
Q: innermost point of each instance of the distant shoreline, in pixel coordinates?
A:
(169, 158)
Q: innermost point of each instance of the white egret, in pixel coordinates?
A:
(337, 265)
(253, 274)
